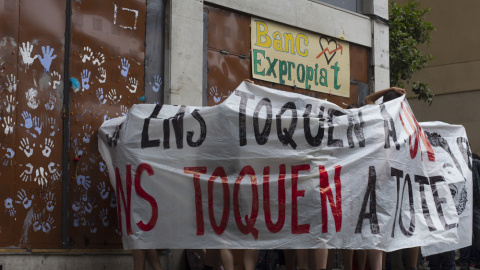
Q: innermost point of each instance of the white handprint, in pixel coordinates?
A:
(124, 68)
(41, 176)
(112, 95)
(87, 54)
(51, 103)
(26, 51)
(88, 132)
(90, 205)
(11, 84)
(214, 94)
(47, 225)
(104, 191)
(113, 201)
(23, 199)
(54, 170)
(76, 219)
(84, 181)
(8, 157)
(25, 147)
(56, 79)
(36, 222)
(104, 217)
(133, 85)
(103, 75)
(8, 125)
(102, 166)
(50, 201)
(92, 224)
(85, 79)
(123, 110)
(100, 96)
(26, 175)
(27, 117)
(32, 100)
(48, 147)
(52, 123)
(99, 59)
(10, 103)
(157, 80)
(9, 206)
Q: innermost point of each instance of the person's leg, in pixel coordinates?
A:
(289, 259)
(302, 259)
(227, 259)
(347, 256)
(434, 261)
(465, 256)
(362, 258)
(320, 258)
(448, 260)
(152, 257)
(138, 259)
(375, 259)
(212, 259)
(250, 259)
(412, 260)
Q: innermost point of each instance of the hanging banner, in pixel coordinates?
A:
(271, 169)
(294, 57)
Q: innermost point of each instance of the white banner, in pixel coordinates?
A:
(272, 169)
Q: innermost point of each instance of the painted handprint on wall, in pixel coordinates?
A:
(27, 117)
(50, 201)
(9, 207)
(84, 180)
(26, 52)
(10, 103)
(36, 223)
(87, 54)
(32, 100)
(47, 58)
(41, 176)
(103, 75)
(99, 59)
(56, 79)
(8, 125)
(214, 93)
(54, 170)
(37, 127)
(112, 95)
(132, 86)
(101, 98)
(7, 159)
(157, 82)
(52, 126)
(103, 190)
(47, 224)
(50, 105)
(85, 79)
(26, 175)
(87, 133)
(11, 84)
(104, 217)
(24, 199)
(47, 149)
(25, 147)
(124, 68)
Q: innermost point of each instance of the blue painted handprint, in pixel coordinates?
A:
(47, 58)
(124, 68)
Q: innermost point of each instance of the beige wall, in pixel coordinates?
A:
(454, 74)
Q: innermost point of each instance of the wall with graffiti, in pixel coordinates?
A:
(61, 76)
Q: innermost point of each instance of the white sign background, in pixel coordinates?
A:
(171, 206)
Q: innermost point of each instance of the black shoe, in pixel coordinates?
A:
(464, 267)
